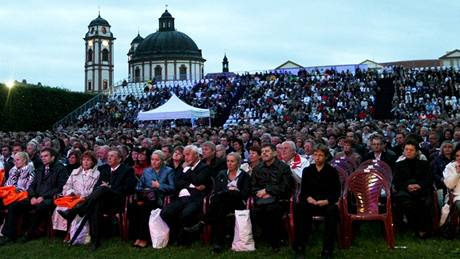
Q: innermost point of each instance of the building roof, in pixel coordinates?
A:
(138, 39)
(99, 21)
(289, 64)
(414, 63)
(450, 54)
(167, 43)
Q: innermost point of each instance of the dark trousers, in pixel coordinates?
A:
(303, 214)
(101, 200)
(22, 208)
(267, 221)
(139, 215)
(183, 212)
(221, 206)
(418, 210)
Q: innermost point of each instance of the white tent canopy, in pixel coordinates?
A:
(173, 109)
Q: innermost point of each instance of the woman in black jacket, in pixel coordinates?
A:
(231, 190)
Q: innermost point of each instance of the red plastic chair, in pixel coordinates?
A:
(343, 163)
(378, 165)
(364, 188)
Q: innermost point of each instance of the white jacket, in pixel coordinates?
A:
(452, 179)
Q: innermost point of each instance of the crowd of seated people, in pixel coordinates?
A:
(286, 130)
(268, 162)
(122, 110)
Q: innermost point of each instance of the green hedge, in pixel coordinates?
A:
(28, 107)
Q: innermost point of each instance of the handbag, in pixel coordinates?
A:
(242, 237)
(146, 195)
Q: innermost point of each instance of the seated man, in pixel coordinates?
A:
(379, 153)
(272, 185)
(320, 191)
(192, 185)
(209, 157)
(47, 183)
(116, 181)
(414, 190)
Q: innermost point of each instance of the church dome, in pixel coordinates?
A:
(99, 21)
(167, 43)
(138, 39)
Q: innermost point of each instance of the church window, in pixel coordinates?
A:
(90, 55)
(105, 84)
(137, 75)
(183, 72)
(105, 55)
(89, 86)
(158, 71)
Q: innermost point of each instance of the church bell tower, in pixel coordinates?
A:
(98, 56)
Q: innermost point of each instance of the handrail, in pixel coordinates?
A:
(72, 116)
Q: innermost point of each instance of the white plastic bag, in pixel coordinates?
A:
(83, 238)
(242, 238)
(159, 230)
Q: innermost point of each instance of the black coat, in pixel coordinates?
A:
(200, 175)
(276, 179)
(403, 176)
(217, 165)
(50, 185)
(243, 184)
(323, 185)
(122, 181)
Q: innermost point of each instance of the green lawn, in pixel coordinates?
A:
(369, 243)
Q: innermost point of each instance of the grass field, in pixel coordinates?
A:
(369, 243)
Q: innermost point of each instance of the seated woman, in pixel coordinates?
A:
(73, 160)
(452, 177)
(413, 183)
(231, 191)
(437, 168)
(80, 183)
(156, 182)
(320, 191)
(142, 161)
(177, 159)
(20, 176)
(253, 161)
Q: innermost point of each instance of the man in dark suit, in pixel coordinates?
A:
(116, 181)
(192, 185)
(48, 182)
(379, 153)
(8, 161)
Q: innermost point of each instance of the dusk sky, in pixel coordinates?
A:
(42, 41)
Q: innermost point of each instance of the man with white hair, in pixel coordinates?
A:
(192, 185)
(102, 153)
(295, 161)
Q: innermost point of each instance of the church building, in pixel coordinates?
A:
(165, 55)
